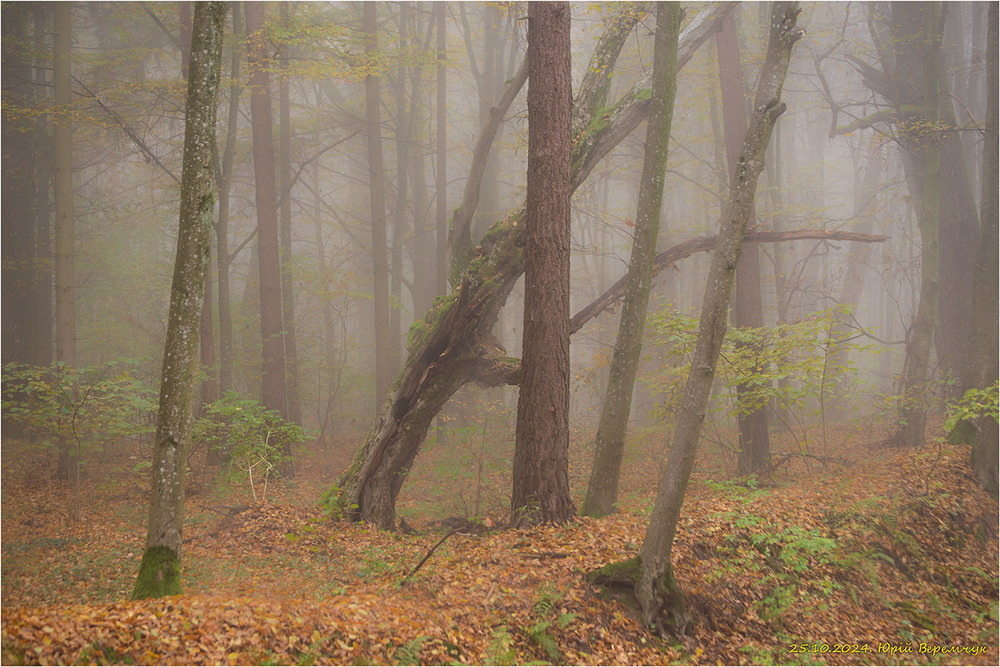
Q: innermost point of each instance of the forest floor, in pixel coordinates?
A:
(870, 556)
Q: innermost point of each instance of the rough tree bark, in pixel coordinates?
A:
(452, 344)
(259, 63)
(602, 490)
(655, 586)
(159, 572)
(541, 450)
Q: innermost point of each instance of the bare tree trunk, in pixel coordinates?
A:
(376, 184)
(63, 189)
(918, 29)
(453, 344)
(655, 586)
(224, 176)
(41, 347)
(981, 361)
(294, 406)
(912, 80)
(754, 438)
(602, 491)
(19, 191)
(159, 572)
(441, 274)
(403, 138)
(541, 451)
(269, 263)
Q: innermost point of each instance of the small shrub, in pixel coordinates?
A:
(254, 442)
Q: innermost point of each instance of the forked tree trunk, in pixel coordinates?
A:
(453, 345)
(655, 587)
(159, 572)
(602, 491)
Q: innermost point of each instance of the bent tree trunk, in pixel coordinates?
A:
(602, 490)
(453, 345)
(655, 587)
(159, 572)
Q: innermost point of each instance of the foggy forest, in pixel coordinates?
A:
(500, 333)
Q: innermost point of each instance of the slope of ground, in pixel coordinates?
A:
(877, 556)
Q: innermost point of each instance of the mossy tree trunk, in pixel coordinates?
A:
(602, 490)
(159, 572)
(453, 344)
(655, 588)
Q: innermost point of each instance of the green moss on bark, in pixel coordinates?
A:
(159, 574)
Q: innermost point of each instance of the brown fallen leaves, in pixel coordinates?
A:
(896, 550)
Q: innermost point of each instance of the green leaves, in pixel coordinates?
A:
(789, 364)
(93, 405)
(253, 439)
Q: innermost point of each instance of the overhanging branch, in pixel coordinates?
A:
(701, 244)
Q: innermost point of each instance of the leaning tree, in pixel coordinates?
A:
(453, 344)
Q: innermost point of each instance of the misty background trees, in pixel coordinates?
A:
(338, 315)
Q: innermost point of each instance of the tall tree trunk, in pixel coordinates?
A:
(602, 491)
(441, 137)
(269, 263)
(541, 451)
(655, 587)
(981, 363)
(41, 348)
(912, 80)
(294, 406)
(403, 138)
(454, 344)
(224, 175)
(376, 184)
(917, 30)
(159, 572)
(65, 272)
(19, 187)
(755, 442)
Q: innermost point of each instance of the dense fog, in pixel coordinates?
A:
(836, 163)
